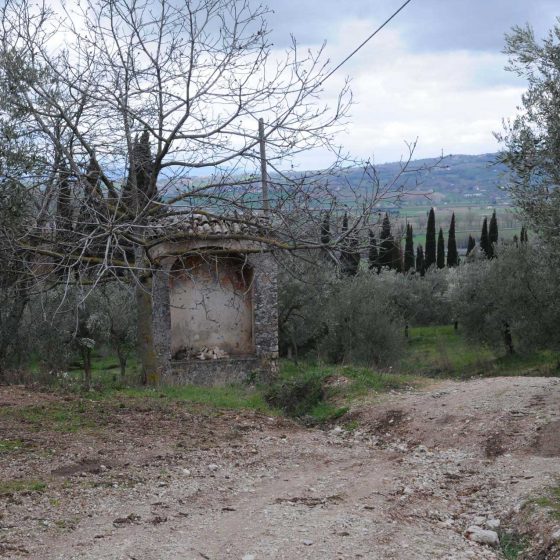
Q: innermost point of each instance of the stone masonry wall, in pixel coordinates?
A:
(265, 277)
(264, 364)
(161, 318)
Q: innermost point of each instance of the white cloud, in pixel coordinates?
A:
(451, 100)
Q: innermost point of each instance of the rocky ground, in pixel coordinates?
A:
(417, 475)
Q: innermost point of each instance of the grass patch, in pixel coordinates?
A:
(512, 544)
(67, 417)
(231, 397)
(10, 445)
(440, 351)
(322, 393)
(550, 502)
(325, 412)
(21, 486)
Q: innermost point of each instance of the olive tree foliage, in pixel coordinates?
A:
(65, 326)
(328, 315)
(362, 325)
(512, 301)
(421, 300)
(305, 286)
(117, 307)
(531, 141)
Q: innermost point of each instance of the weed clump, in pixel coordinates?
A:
(296, 397)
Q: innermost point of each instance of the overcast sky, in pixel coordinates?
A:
(436, 72)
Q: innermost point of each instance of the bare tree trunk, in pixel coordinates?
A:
(508, 340)
(122, 361)
(146, 348)
(86, 357)
(8, 331)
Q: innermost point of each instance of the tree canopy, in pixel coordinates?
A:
(531, 141)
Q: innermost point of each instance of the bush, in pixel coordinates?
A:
(517, 293)
(422, 300)
(296, 397)
(363, 326)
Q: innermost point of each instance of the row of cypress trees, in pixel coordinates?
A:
(386, 252)
(435, 251)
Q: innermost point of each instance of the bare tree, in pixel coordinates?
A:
(139, 109)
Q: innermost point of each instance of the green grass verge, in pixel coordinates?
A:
(8, 487)
(512, 545)
(320, 393)
(440, 351)
(550, 502)
(231, 397)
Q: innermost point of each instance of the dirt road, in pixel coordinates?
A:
(403, 480)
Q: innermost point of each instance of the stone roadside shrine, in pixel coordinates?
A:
(215, 314)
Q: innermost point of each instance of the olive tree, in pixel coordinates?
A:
(511, 301)
(361, 323)
(531, 141)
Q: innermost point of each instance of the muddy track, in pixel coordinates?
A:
(164, 484)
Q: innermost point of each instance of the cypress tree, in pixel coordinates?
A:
(471, 245)
(440, 250)
(420, 265)
(139, 189)
(326, 229)
(484, 240)
(373, 255)
(409, 249)
(396, 256)
(430, 256)
(493, 234)
(452, 255)
(524, 239)
(349, 254)
(386, 252)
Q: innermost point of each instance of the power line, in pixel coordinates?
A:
(365, 41)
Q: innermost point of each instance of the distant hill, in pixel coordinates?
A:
(455, 180)
(471, 187)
